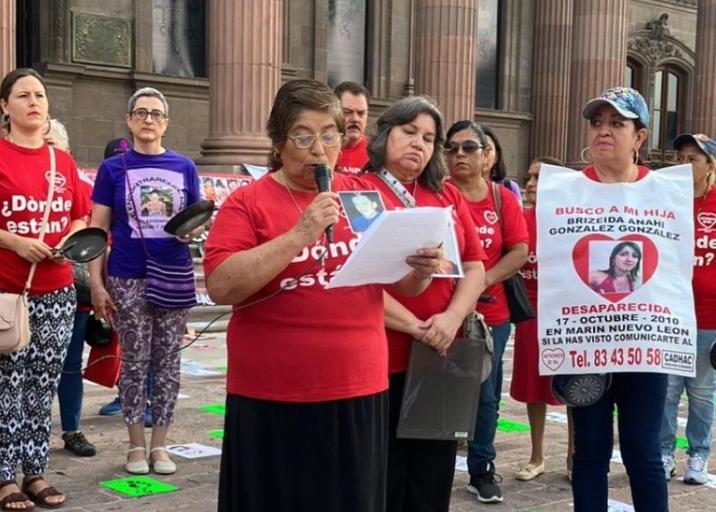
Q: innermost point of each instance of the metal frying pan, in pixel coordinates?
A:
(84, 245)
(190, 218)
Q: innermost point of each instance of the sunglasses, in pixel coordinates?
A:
(468, 146)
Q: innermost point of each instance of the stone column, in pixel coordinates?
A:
(7, 37)
(445, 67)
(245, 39)
(704, 118)
(550, 86)
(599, 40)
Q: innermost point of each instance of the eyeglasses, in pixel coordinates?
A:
(142, 113)
(468, 146)
(307, 140)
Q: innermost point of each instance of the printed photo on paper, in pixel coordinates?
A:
(361, 208)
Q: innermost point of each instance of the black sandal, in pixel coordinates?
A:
(40, 498)
(13, 498)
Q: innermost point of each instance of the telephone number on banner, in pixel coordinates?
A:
(631, 357)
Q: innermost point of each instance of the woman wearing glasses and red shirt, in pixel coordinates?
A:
(503, 232)
(307, 407)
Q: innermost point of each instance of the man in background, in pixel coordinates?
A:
(354, 101)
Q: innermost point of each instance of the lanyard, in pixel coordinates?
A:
(398, 189)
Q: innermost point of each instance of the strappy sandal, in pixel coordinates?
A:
(40, 498)
(14, 498)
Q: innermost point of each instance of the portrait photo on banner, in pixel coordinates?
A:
(615, 266)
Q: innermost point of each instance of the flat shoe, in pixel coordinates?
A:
(162, 467)
(137, 467)
(529, 472)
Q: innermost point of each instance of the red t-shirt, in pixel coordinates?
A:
(495, 241)
(306, 344)
(529, 269)
(24, 184)
(352, 160)
(438, 295)
(591, 173)
(704, 266)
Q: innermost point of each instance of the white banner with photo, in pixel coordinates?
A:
(615, 268)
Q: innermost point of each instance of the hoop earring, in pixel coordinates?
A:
(584, 159)
(636, 156)
(5, 119)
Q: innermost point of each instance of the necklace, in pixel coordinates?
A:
(290, 194)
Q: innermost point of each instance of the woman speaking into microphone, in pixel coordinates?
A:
(307, 408)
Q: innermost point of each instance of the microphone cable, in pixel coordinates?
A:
(318, 264)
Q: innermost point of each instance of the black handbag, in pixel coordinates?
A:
(98, 333)
(515, 290)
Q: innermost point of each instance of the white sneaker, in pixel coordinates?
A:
(696, 472)
(669, 466)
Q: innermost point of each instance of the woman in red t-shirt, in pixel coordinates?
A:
(406, 165)
(306, 411)
(498, 219)
(527, 385)
(28, 378)
(698, 150)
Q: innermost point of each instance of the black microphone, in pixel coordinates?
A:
(323, 181)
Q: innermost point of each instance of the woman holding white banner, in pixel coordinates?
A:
(699, 151)
(503, 233)
(406, 166)
(617, 129)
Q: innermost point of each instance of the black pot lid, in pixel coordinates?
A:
(190, 218)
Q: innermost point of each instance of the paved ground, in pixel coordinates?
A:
(197, 478)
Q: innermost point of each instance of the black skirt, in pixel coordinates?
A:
(295, 457)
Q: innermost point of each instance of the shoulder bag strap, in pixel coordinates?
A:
(497, 199)
(45, 214)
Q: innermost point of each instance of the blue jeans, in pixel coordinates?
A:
(70, 389)
(640, 400)
(700, 390)
(481, 449)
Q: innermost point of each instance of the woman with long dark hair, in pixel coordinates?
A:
(29, 377)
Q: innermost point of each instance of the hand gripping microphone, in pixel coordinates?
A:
(323, 181)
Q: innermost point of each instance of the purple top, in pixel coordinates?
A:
(161, 186)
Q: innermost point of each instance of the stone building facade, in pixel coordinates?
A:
(524, 67)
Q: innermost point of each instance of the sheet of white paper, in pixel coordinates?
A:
(380, 254)
(190, 367)
(618, 506)
(461, 463)
(193, 450)
(452, 265)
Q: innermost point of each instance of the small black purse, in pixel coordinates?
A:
(515, 290)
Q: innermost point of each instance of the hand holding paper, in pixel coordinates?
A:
(395, 236)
